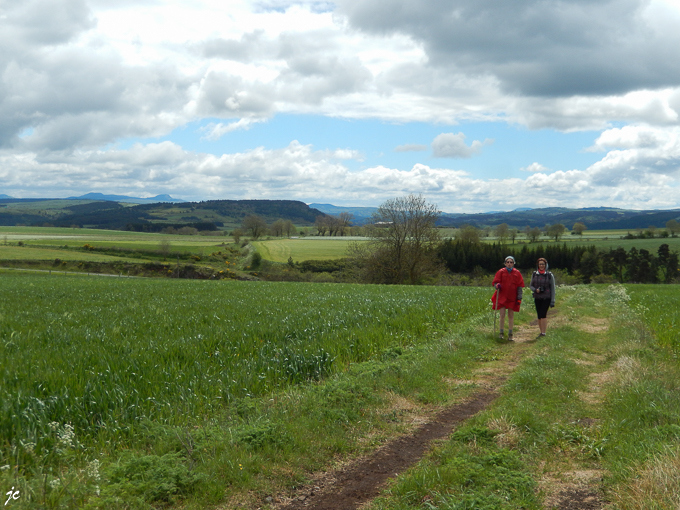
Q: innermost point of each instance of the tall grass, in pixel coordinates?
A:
(104, 355)
(658, 305)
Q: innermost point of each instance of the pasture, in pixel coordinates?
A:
(135, 393)
(101, 361)
(307, 248)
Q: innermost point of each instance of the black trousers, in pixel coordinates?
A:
(542, 306)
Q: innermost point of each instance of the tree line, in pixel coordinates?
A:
(584, 262)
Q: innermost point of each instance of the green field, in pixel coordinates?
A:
(146, 393)
(308, 248)
(48, 243)
(95, 364)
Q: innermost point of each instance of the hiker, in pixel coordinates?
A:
(508, 283)
(543, 287)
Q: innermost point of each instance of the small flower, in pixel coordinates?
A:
(54, 483)
(4, 468)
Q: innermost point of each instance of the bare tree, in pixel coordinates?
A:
(321, 225)
(345, 220)
(403, 238)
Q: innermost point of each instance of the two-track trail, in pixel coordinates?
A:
(362, 481)
(359, 482)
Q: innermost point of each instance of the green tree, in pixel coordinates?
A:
(237, 234)
(469, 234)
(502, 232)
(673, 226)
(256, 225)
(533, 234)
(276, 228)
(579, 228)
(555, 231)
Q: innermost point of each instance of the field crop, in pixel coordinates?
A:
(659, 306)
(314, 248)
(104, 355)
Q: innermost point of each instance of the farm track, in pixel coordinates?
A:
(360, 482)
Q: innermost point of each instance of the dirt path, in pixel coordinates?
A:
(360, 482)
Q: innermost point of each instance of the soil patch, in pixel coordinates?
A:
(362, 481)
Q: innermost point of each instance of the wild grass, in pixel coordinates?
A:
(590, 411)
(155, 367)
(280, 250)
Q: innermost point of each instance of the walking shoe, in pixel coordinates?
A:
(510, 337)
(501, 336)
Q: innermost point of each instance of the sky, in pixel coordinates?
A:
(477, 105)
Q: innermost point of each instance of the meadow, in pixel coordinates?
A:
(308, 248)
(140, 393)
(99, 360)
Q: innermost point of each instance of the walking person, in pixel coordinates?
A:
(543, 288)
(508, 283)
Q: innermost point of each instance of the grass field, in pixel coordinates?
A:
(47, 243)
(308, 248)
(142, 393)
(96, 364)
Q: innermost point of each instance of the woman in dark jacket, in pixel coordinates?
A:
(543, 288)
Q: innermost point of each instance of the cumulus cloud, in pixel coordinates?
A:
(298, 171)
(450, 145)
(410, 147)
(534, 168)
(537, 48)
(79, 75)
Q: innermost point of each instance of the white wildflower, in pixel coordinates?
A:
(54, 483)
(4, 468)
(93, 470)
(67, 435)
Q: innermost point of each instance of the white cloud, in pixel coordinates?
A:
(410, 147)
(535, 167)
(79, 75)
(450, 145)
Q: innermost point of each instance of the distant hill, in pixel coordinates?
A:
(126, 199)
(362, 215)
(106, 214)
(594, 218)
(4, 196)
(95, 210)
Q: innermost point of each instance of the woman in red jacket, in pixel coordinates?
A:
(508, 283)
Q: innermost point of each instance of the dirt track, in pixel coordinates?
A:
(362, 481)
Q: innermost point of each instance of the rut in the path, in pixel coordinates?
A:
(349, 488)
(362, 481)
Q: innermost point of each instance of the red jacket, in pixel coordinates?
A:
(511, 289)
